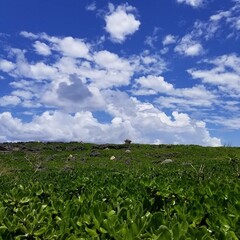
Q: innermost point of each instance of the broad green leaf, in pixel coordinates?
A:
(91, 232)
(3, 230)
(25, 200)
(231, 236)
(40, 232)
(102, 230)
(165, 233)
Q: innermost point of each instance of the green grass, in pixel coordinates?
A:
(60, 191)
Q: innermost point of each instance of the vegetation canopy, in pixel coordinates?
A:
(78, 191)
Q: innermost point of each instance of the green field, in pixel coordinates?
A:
(75, 191)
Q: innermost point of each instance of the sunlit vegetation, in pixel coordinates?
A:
(75, 191)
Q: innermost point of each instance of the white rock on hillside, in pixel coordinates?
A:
(112, 158)
(167, 161)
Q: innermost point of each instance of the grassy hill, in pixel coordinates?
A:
(88, 191)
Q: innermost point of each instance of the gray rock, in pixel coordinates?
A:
(95, 154)
(167, 161)
(128, 161)
(3, 149)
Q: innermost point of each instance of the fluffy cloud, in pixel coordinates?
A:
(219, 16)
(121, 22)
(75, 92)
(186, 99)
(67, 46)
(147, 63)
(38, 71)
(71, 95)
(28, 35)
(148, 126)
(189, 47)
(42, 48)
(185, 103)
(23, 94)
(169, 39)
(50, 85)
(225, 23)
(154, 84)
(193, 3)
(73, 47)
(6, 66)
(111, 70)
(193, 50)
(103, 69)
(80, 80)
(9, 100)
(224, 74)
(110, 60)
(230, 17)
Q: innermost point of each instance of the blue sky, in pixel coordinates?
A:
(159, 71)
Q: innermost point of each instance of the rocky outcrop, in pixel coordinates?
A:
(109, 146)
(3, 149)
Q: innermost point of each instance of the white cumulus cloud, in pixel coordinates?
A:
(6, 66)
(169, 39)
(42, 48)
(156, 84)
(81, 79)
(121, 22)
(147, 126)
(9, 100)
(73, 47)
(186, 99)
(189, 47)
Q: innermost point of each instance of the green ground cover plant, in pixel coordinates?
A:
(74, 191)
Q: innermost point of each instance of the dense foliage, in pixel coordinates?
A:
(74, 191)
